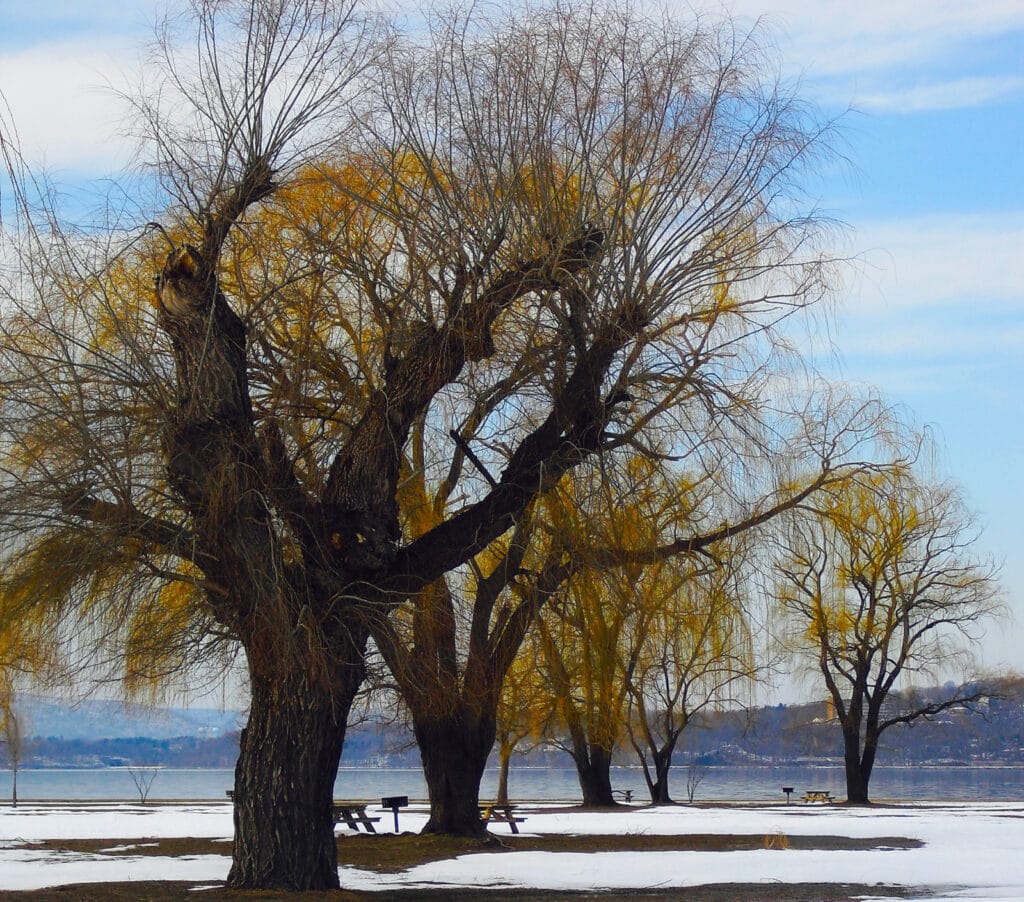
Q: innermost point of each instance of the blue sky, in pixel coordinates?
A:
(934, 202)
(933, 314)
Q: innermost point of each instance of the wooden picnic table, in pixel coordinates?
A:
(501, 812)
(354, 815)
(818, 795)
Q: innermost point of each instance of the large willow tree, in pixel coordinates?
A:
(402, 287)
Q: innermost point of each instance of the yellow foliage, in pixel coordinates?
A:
(156, 632)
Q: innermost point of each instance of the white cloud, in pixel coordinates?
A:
(854, 35)
(936, 304)
(63, 108)
(939, 260)
(896, 55)
(950, 337)
(942, 95)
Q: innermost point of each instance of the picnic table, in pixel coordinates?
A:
(501, 812)
(354, 815)
(818, 795)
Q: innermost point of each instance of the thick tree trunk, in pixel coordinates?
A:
(284, 779)
(593, 767)
(454, 750)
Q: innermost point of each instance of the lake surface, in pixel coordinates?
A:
(547, 784)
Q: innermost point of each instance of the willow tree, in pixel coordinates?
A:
(636, 640)
(629, 631)
(878, 585)
(695, 652)
(151, 515)
(534, 241)
(522, 711)
(599, 216)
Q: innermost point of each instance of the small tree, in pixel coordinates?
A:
(143, 778)
(695, 774)
(878, 583)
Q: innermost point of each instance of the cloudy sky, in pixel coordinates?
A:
(932, 97)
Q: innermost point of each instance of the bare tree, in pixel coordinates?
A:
(147, 514)
(603, 203)
(143, 778)
(695, 774)
(877, 584)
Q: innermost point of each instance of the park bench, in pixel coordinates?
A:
(501, 812)
(354, 815)
(626, 795)
(818, 795)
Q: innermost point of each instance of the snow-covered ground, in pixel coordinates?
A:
(970, 852)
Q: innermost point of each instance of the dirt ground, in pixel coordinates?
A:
(389, 853)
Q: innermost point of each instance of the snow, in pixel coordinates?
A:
(972, 852)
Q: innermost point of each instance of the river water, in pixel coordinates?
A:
(548, 784)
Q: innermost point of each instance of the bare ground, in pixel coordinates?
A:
(390, 853)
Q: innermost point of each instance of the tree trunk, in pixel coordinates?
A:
(659, 787)
(284, 779)
(856, 778)
(504, 762)
(593, 767)
(454, 750)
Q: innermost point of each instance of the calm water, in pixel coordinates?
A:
(718, 784)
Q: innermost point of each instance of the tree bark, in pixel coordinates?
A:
(658, 787)
(284, 778)
(856, 777)
(305, 655)
(593, 767)
(454, 750)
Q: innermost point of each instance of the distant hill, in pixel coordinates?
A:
(95, 719)
(97, 732)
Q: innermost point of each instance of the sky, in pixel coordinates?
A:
(930, 100)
